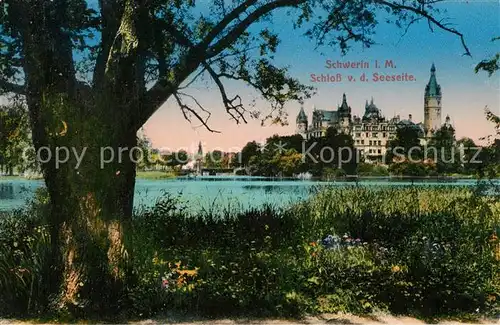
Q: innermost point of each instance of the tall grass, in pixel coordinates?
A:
(426, 251)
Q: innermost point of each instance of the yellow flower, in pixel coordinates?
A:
(491, 298)
(395, 269)
(188, 272)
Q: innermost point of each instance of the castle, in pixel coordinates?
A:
(373, 131)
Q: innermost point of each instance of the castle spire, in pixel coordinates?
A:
(433, 89)
(344, 108)
(302, 117)
(200, 149)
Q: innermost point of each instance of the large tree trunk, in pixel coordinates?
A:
(92, 204)
(91, 210)
(91, 195)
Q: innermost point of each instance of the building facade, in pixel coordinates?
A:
(372, 131)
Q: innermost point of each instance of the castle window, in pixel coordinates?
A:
(384, 135)
(367, 134)
(358, 135)
(375, 134)
(379, 151)
(370, 144)
(379, 142)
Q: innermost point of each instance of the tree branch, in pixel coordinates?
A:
(111, 11)
(186, 110)
(233, 35)
(228, 103)
(423, 13)
(219, 28)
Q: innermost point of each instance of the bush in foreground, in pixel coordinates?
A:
(424, 251)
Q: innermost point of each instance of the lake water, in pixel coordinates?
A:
(210, 192)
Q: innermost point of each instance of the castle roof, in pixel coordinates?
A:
(433, 88)
(344, 109)
(302, 117)
(371, 111)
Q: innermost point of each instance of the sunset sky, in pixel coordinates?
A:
(465, 94)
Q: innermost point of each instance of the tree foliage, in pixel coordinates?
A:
(14, 137)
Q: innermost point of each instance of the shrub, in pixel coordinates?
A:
(427, 251)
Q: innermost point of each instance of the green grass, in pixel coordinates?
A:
(155, 175)
(428, 252)
(15, 177)
(149, 175)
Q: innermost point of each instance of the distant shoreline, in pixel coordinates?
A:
(157, 175)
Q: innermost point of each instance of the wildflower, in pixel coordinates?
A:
(493, 238)
(164, 283)
(491, 298)
(395, 269)
(188, 272)
(180, 281)
(313, 244)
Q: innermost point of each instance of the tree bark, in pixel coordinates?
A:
(91, 203)
(91, 210)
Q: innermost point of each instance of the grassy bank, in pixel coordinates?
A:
(155, 175)
(148, 175)
(415, 251)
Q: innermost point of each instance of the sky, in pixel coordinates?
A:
(465, 94)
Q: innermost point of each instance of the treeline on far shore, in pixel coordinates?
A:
(284, 156)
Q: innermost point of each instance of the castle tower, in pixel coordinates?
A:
(301, 123)
(199, 160)
(344, 112)
(448, 124)
(432, 105)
